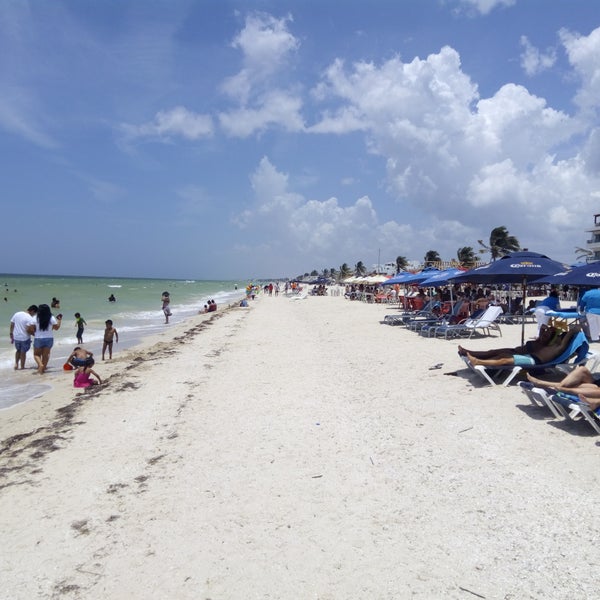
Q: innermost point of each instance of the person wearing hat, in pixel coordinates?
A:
(19, 336)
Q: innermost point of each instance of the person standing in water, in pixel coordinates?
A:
(166, 300)
(79, 323)
(110, 335)
(43, 331)
(19, 334)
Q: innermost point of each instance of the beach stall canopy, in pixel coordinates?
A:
(516, 267)
(587, 275)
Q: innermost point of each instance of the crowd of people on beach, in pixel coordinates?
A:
(37, 324)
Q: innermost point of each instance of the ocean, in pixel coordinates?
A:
(135, 314)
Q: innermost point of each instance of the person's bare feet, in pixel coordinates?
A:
(461, 351)
(474, 361)
(536, 381)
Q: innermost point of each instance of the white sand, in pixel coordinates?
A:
(296, 449)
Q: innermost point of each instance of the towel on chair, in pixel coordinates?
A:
(593, 321)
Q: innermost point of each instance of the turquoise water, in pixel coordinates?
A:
(135, 314)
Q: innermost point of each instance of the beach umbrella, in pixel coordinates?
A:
(398, 278)
(374, 279)
(587, 275)
(442, 278)
(516, 267)
(416, 278)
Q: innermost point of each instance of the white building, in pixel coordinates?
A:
(593, 242)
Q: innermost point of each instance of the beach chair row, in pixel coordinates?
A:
(430, 324)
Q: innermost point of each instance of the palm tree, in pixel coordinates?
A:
(466, 256)
(333, 273)
(314, 273)
(501, 243)
(360, 269)
(401, 264)
(326, 273)
(431, 257)
(345, 272)
(584, 254)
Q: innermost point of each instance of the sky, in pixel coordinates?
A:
(232, 139)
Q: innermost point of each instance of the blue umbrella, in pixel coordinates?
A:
(441, 278)
(516, 267)
(588, 275)
(415, 278)
(398, 278)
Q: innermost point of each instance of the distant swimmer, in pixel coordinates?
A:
(55, 303)
(112, 298)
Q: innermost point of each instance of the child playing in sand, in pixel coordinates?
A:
(79, 323)
(83, 378)
(110, 335)
(80, 357)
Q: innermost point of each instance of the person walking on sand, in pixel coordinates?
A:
(43, 336)
(166, 300)
(19, 335)
(110, 335)
(79, 323)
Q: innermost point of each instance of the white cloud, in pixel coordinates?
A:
(177, 122)
(266, 44)
(262, 99)
(325, 233)
(583, 53)
(21, 116)
(533, 61)
(448, 150)
(277, 108)
(485, 7)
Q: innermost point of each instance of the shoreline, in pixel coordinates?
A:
(297, 449)
(27, 389)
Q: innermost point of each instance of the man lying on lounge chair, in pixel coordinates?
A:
(550, 344)
(579, 382)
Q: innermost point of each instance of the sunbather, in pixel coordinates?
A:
(550, 344)
(579, 382)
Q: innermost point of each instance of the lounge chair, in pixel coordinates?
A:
(577, 353)
(485, 323)
(403, 317)
(426, 324)
(543, 398)
(578, 408)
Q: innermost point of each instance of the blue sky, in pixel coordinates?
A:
(236, 139)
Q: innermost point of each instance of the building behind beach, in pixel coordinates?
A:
(593, 242)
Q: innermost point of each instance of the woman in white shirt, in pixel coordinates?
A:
(43, 335)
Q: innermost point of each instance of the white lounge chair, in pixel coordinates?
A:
(485, 323)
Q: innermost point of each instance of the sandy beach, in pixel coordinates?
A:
(295, 449)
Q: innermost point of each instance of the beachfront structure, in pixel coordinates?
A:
(593, 242)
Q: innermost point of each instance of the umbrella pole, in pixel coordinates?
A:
(523, 311)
